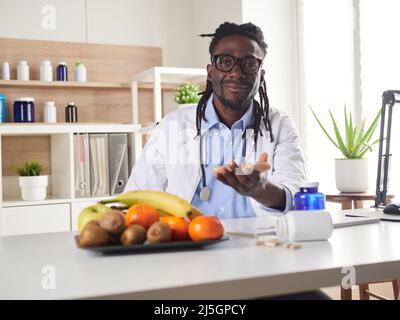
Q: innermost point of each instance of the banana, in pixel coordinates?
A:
(163, 213)
(195, 213)
(164, 202)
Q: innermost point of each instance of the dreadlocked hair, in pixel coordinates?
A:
(261, 109)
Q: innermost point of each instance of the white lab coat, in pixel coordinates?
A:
(170, 159)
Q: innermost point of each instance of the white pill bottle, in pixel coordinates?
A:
(304, 225)
(23, 70)
(50, 112)
(80, 72)
(46, 71)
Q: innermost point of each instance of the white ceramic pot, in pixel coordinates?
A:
(352, 175)
(184, 105)
(34, 187)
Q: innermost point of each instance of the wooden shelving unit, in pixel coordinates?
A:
(80, 85)
(62, 84)
(104, 106)
(111, 106)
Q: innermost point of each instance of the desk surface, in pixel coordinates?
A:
(233, 269)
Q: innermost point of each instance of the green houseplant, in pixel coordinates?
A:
(187, 94)
(351, 172)
(33, 185)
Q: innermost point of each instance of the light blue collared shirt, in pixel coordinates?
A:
(221, 146)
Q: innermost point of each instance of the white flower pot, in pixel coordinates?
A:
(33, 187)
(184, 105)
(352, 175)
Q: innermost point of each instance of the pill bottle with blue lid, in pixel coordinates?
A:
(24, 110)
(308, 198)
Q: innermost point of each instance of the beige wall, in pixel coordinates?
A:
(22, 19)
(277, 19)
(170, 24)
(209, 15)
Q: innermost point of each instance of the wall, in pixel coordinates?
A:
(277, 19)
(173, 25)
(22, 19)
(156, 23)
(209, 15)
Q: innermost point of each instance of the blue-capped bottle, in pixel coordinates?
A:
(308, 198)
(62, 71)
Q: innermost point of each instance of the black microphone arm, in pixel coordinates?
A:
(389, 99)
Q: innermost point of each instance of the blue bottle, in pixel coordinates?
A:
(62, 72)
(308, 198)
(2, 108)
(24, 110)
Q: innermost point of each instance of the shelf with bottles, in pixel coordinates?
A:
(62, 84)
(78, 85)
(158, 78)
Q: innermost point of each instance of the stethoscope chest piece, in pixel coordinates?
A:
(205, 194)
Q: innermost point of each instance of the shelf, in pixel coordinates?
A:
(163, 78)
(49, 200)
(81, 85)
(21, 203)
(92, 199)
(62, 84)
(47, 128)
(170, 75)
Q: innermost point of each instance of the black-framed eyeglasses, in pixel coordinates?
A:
(225, 63)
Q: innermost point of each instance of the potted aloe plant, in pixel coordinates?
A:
(187, 95)
(33, 185)
(351, 171)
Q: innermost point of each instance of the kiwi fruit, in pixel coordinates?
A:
(113, 222)
(135, 234)
(114, 239)
(93, 236)
(159, 232)
(92, 223)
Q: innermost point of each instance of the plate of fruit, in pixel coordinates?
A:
(144, 220)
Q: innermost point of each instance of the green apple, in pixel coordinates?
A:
(93, 212)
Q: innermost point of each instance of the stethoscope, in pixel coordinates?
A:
(205, 192)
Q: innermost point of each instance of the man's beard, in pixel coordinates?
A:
(236, 105)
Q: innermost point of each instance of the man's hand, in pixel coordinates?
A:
(246, 179)
(251, 180)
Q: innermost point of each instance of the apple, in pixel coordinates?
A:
(93, 212)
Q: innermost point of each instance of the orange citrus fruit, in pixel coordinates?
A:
(205, 228)
(179, 227)
(142, 214)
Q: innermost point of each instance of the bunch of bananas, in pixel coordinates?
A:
(165, 203)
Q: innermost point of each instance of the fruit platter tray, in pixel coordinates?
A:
(147, 247)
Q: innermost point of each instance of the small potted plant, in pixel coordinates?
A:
(187, 95)
(351, 171)
(33, 185)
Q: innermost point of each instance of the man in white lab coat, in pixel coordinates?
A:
(231, 156)
(197, 152)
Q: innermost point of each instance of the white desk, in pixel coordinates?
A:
(232, 269)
